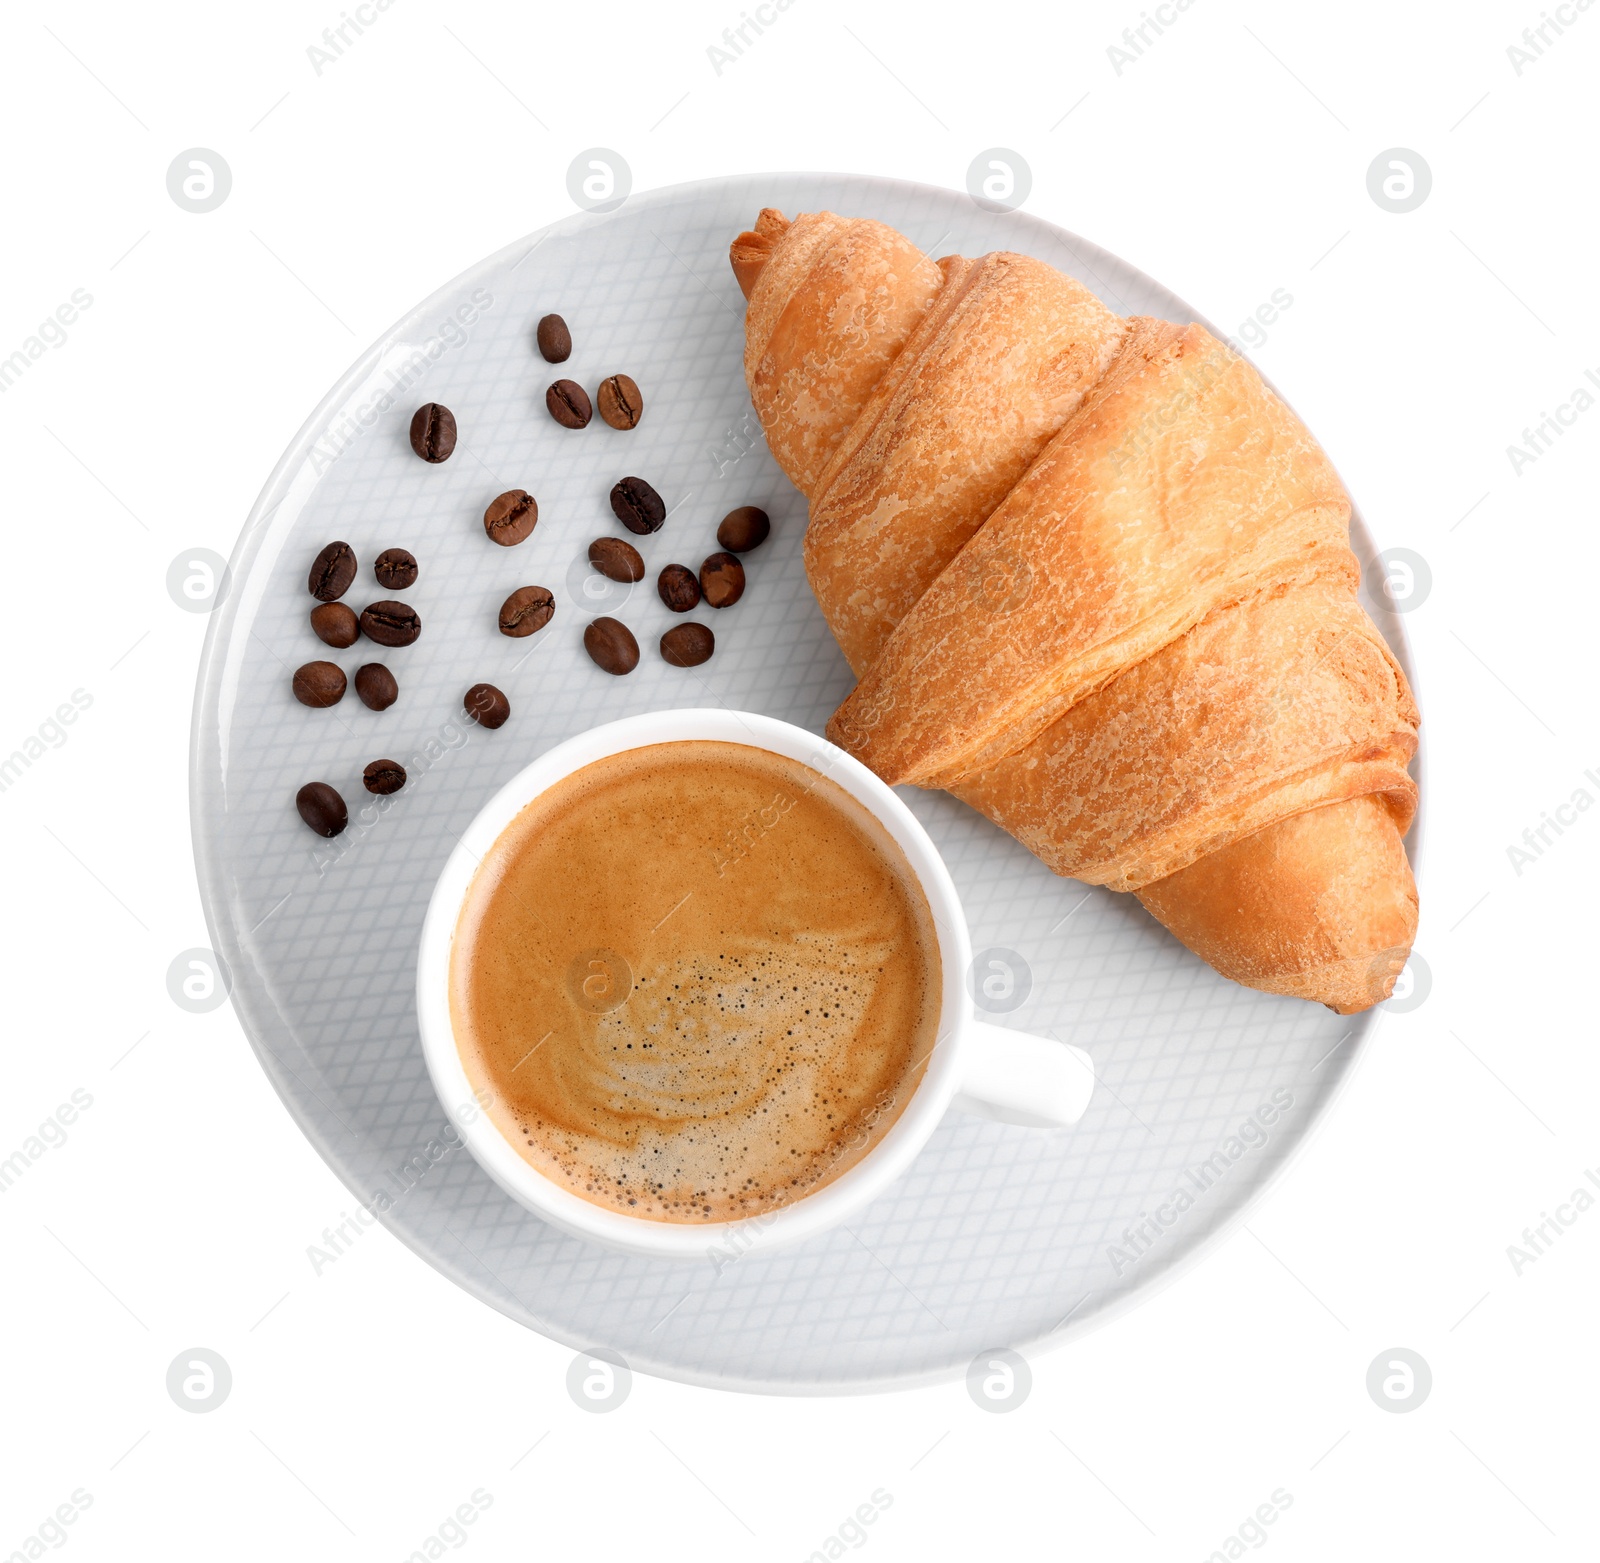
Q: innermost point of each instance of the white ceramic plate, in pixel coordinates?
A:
(998, 1236)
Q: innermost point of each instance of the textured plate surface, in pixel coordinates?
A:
(998, 1236)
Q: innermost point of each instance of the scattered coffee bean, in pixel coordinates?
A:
(621, 405)
(335, 624)
(384, 777)
(722, 580)
(390, 623)
(687, 645)
(332, 571)
(527, 609)
(616, 560)
(433, 432)
(511, 517)
(319, 684)
(637, 506)
(611, 644)
(487, 706)
(569, 404)
(376, 686)
(396, 569)
(679, 590)
(322, 808)
(743, 529)
(555, 341)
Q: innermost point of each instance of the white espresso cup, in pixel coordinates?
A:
(975, 1067)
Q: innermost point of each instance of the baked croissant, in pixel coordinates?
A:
(1095, 579)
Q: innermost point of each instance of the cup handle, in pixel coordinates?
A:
(1014, 1077)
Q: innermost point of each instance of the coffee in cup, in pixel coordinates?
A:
(694, 981)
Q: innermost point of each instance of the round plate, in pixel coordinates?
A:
(998, 1236)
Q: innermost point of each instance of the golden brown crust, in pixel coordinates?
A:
(1318, 906)
(830, 307)
(1265, 709)
(750, 252)
(1183, 484)
(1095, 579)
(1000, 361)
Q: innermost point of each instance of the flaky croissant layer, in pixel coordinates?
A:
(1094, 578)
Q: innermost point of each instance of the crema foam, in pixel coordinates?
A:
(696, 981)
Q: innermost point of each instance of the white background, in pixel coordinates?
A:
(370, 1400)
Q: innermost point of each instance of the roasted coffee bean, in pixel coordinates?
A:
(433, 432)
(511, 517)
(319, 684)
(744, 529)
(555, 341)
(322, 808)
(396, 569)
(335, 624)
(527, 609)
(487, 706)
(376, 686)
(332, 571)
(390, 623)
(679, 590)
(569, 404)
(687, 645)
(611, 644)
(637, 506)
(384, 777)
(621, 405)
(616, 560)
(721, 579)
